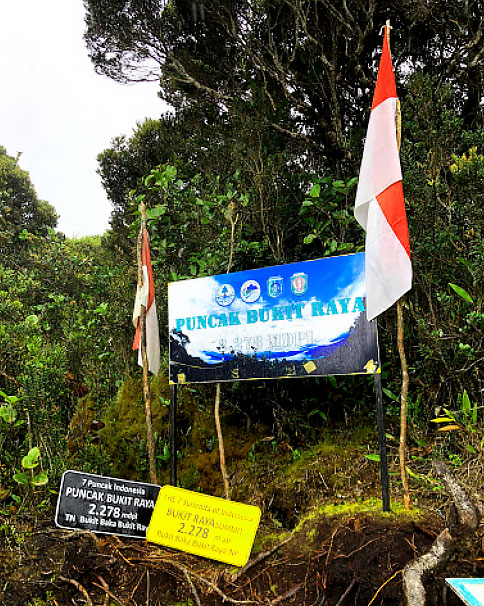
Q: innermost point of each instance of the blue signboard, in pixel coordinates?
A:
(296, 320)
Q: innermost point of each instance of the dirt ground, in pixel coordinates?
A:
(323, 539)
(333, 560)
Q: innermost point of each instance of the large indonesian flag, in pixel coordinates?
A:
(380, 206)
(146, 296)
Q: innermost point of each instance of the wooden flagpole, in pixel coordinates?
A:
(144, 357)
(401, 348)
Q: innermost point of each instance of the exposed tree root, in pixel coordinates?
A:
(447, 541)
(80, 588)
(346, 592)
(262, 556)
(205, 581)
(108, 593)
(287, 595)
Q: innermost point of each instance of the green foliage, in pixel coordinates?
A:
(62, 334)
(8, 413)
(444, 185)
(327, 212)
(211, 223)
(290, 125)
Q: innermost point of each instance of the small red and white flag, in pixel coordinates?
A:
(146, 296)
(380, 205)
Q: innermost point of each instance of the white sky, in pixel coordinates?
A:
(58, 112)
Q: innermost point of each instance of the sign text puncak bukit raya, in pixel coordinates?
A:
(301, 319)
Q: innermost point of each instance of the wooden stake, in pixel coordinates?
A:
(218, 425)
(403, 404)
(221, 448)
(146, 383)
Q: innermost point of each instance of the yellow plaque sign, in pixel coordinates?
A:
(203, 525)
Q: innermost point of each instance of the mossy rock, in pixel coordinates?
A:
(80, 427)
(124, 434)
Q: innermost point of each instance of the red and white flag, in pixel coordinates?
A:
(380, 205)
(146, 296)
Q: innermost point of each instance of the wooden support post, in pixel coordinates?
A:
(403, 405)
(223, 467)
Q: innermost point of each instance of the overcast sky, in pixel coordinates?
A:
(58, 112)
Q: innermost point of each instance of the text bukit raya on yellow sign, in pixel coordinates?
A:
(203, 525)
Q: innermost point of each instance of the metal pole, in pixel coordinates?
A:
(382, 447)
(173, 459)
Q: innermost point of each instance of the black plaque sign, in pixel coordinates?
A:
(105, 505)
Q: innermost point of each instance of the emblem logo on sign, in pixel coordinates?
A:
(250, 291)
(299, 283)
(225, 295)
(274, 286)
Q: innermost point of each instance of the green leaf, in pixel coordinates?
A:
(461, 292)
(156, 212)
(466, 403)
(31, 321)
(101, 309)
(390, 394)
(373, 457)
(309, 238)
(21, 478)
(170, 171)
(40, 479)
(8, 413)
(316, 411)
(31, 460)
(412, 474)
(315, 190)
